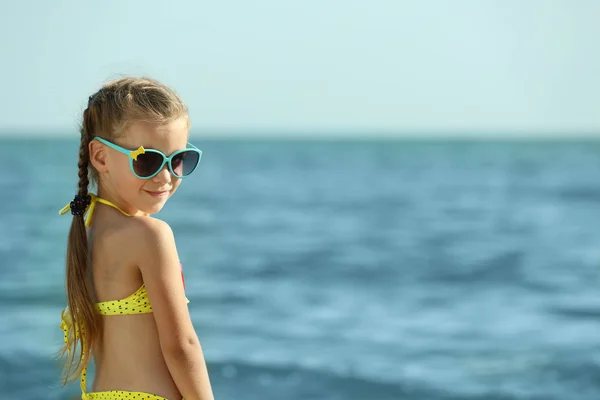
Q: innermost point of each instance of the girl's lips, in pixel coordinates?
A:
(158, 194)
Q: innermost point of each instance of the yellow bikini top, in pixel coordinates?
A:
(135, 303)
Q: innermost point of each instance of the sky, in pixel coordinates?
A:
(301, 68)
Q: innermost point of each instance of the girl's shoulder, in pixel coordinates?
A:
(144, 225)
(138, 241)
(148, 231)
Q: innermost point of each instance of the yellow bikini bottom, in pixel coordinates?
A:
(121, 394)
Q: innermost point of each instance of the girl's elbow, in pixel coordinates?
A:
(181, 347)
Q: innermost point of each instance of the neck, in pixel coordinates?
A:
(113, 197)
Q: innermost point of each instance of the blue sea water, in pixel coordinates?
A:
(371, 270)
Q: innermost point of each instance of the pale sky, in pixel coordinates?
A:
(514, 67)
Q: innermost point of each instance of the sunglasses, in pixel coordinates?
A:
(147, 163)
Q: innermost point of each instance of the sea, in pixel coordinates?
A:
(343, 269)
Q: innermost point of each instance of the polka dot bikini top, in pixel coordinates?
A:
(135, 303)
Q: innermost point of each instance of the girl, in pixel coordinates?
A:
(126, 302)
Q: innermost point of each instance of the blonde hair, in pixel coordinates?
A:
(110, 110)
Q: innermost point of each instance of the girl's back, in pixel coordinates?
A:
(129, 356)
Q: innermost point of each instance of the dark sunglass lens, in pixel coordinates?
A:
(184, 163)
(177, 163)
(147, 164)
(190, 162)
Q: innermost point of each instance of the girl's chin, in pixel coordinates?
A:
(154, 208)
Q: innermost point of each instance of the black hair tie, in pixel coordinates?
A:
(80, 204)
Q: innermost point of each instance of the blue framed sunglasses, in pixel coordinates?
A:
(147, 163)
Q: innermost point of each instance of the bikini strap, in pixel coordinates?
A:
(83, 384)
(91, 207)
(66, 325)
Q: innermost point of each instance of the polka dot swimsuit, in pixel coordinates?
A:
(137, 303)
(121, 394)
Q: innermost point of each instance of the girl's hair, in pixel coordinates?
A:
(108, 114)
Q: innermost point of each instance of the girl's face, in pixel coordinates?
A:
(139, 196)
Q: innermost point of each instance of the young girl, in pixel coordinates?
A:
(126, 302)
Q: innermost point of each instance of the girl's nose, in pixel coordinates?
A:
(163, 176)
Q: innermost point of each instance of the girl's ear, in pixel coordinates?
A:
(98, 156)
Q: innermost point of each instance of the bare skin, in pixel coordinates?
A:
(159, 352)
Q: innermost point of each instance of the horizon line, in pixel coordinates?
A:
(331, 134)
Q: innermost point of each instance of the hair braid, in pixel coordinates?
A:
(84, 160)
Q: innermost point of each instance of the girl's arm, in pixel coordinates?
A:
(180, 346)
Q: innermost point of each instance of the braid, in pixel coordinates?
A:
(84, 153)
(84, 159)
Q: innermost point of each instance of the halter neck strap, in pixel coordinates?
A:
(90, 209)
